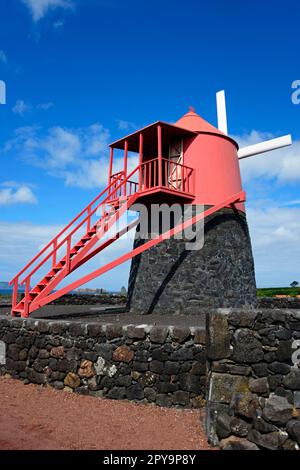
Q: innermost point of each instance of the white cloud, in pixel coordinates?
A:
(21, 108)
(20, 242)
(13, 193)
(275, 235)
(58, 24)
(39, 8)
(45, 106)
(78, 156)
(3, 57)
(274, 227)
(283, 165)
(126, 125)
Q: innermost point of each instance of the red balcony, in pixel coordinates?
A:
(158, 175)
(161, 171)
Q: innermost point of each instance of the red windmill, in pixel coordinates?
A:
(191, 162)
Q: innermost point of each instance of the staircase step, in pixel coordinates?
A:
(33, 295)
(36, 290)
(79, 244)
(61, 264)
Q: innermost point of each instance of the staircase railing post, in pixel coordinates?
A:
(68, 258)
(15, 293)
(26, 298)
(111, 158)
(89, 218)
(54, 253)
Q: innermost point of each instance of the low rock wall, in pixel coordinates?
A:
(253, 379)
(161, 365)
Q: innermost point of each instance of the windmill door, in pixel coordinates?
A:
(174, 164)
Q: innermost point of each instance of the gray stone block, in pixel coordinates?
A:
(246, 347)
(158, 334)
(223, 386)
(245, 405)
(277, 410)
(218, 336)
(292, 380)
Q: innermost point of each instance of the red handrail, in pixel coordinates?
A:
(69, 236)
(54, 240)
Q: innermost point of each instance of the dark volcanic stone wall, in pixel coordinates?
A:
(169, 279)
(254, 379)
(148, 364)
(274, 302)
(90, 299)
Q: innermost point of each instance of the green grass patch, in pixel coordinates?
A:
(272, 291)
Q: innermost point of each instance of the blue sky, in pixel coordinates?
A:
(80, 74)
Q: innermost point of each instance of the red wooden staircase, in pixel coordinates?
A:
(75, 244)
(111, 204)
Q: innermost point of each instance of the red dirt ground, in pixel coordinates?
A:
(34, 418)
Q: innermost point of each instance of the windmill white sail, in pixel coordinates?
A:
(221, 109)
(250, 150)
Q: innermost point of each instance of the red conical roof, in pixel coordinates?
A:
(193, 122)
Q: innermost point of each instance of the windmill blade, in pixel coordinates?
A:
(221, 111)
(266, 146)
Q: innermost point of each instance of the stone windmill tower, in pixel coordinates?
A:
(169, 278)
(191, 164)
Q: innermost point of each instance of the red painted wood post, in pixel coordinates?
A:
(68, 259)
(111, 159)
(15, 293)
(141, 160)
(26, 298)
(89, 218)
(159, 154)
(54, 253)
(125, 165)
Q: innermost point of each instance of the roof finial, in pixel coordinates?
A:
(192, 109)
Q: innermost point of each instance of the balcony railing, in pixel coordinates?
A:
(171, 175)
(153, 174)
